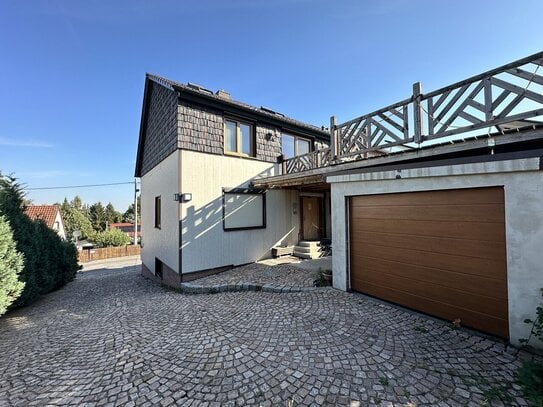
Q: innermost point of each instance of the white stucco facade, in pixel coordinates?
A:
(58, 225)
(522, 181)
(163, 243)
(204, 243)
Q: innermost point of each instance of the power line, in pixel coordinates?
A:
(82, 186)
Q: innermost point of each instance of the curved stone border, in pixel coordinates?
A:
(190, 288)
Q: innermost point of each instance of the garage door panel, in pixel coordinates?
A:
(461, 264)
(491, 232)
(460, 197)
(435, 292)
(461, 281)
(442, 252)
(491, 324)
(464, 213)
(465, 247)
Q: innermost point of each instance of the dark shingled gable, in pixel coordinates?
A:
(180, 116)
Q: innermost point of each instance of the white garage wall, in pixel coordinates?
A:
(164, 242)
(205, 244)
(523, 185)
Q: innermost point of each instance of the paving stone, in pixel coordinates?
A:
(112, 337)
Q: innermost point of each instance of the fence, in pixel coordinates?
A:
(508, 97)
(108, 253)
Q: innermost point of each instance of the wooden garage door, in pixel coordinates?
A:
(439, 252)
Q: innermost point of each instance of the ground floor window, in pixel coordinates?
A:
(244, 209)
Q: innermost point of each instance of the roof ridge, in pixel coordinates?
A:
(171, 84)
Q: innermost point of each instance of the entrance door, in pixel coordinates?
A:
(311, 218)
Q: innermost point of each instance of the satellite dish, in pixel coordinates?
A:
(76, 233)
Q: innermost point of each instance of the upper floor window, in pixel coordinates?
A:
(292, 146)
(238, 138)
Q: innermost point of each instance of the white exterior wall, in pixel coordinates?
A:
(205, 244)
(163, 243)
(61, 232)
(523, 186)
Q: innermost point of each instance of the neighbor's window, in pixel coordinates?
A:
(238, 138)
(244, 209)
(157, 212)
(293, 145)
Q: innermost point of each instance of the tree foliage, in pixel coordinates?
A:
(97, 217)
(11, 265)
(112, 216)
(50, 261)
(112, 237)
(75, 219)
(128, 216)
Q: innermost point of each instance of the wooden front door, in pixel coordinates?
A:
(440, 252)
(311, 218)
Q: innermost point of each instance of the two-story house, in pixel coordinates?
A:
(198, 152)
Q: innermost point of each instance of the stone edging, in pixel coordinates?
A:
(189, 288)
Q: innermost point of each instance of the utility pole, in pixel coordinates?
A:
(136, 211)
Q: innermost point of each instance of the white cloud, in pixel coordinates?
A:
(9, 142)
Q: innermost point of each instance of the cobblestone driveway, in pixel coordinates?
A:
(114, 338)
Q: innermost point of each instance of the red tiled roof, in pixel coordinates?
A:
(47, 213)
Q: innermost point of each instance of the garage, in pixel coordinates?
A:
(439, 252)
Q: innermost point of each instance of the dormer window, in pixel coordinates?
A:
(292, 146)
(238, 138)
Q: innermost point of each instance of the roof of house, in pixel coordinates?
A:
(120, 224)
(47, 213)
(263, 111)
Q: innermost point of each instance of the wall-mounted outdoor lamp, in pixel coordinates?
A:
(186, 197)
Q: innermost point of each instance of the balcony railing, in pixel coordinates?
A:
(314, 159)
(510, 96)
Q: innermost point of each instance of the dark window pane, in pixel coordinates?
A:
(245, 133)
(230, 142)
(287, 145)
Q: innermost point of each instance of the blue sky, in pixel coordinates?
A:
(72, 71)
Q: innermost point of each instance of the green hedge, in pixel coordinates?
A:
(11, 265)
(50, 262)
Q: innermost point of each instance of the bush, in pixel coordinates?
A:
(11, 265)
(50, 262)
(111, 237)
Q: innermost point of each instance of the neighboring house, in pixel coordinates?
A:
(50, 214)
(198, 152)
(436, 201)
(127, 228)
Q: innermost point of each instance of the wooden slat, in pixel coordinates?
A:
(471, 283)
(461, 108)
(463, 213)
(518, 90)
(493, 232)
(440, 252)
(526, 75)
(442, 197)
(435, 290)
(460, 264)
(447, 245)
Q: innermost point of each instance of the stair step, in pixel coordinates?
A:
(306, 249)
(309, 243)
